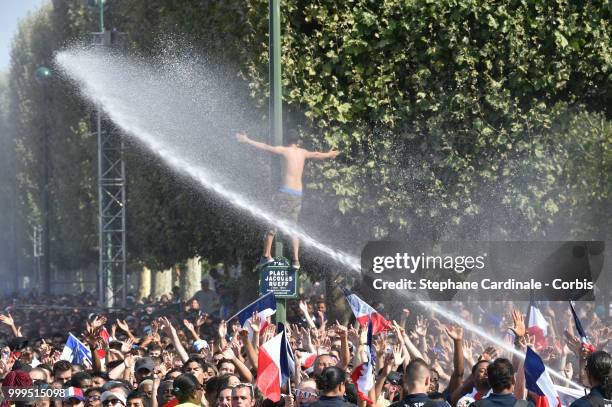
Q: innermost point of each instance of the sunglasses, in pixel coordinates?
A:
(93, 398)
(112, 402)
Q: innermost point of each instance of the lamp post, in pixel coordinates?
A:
(276, 116)
(98, 4)
(42, 75)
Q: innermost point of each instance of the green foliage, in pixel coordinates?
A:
(456, 119)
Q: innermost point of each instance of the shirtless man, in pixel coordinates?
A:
(289, 196)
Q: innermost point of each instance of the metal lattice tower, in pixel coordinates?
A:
(111, 196)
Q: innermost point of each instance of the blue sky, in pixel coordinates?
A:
(11, 12)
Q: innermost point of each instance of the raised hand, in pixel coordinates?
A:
(379, 345)
(90, 337)
(228, 353)
(159, 372)
(269, 333)
(397, 355)
(256, 322)
(467, 351)
(127, 345)
(421, 326)
(166, 326)
(518, 320)
(201, 320)
(236, 347)
(341, 330)
(454, 332)
(353, 336)
(123, 326)
(188, 324)
(573, 343)
(489, 353)
(98, 322)
(7, 319)
(222, 330)
(303, 307)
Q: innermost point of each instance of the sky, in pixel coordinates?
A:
(11, 12)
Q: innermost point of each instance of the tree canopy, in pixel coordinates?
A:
(476, 119)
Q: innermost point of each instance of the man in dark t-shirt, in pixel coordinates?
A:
(500, 375)
(416, 385)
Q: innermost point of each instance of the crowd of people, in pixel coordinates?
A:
(166, 352)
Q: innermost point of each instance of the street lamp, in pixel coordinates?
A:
(276, 114)
(42, 76)
(99, 4)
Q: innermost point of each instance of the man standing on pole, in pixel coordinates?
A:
(289, 196)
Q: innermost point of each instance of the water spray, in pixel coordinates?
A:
(77, 64)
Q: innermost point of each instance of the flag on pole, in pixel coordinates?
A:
(275, 365)
(537, 326)
(364, 313)
(287, 359)
(584, 340)
(264, 306)
(538, 381)
(75, 351)
(363, 375)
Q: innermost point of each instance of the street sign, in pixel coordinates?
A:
(279, 278)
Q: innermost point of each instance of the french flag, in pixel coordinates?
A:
(308, 359)
(364, 313)
(363, 375)
(584, 340)
(264, 306)
(75, 351)
(539, 382)
(275, 366)
(537, 326)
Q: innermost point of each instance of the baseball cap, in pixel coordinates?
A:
(200, 344)
(144, 363)
(74, 393)
(394, 378)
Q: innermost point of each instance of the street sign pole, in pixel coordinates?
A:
(276, 118)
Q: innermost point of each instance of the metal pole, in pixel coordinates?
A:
(101, 4)
(101, 282)
(123, 228)
(45, 283)
(276, 117)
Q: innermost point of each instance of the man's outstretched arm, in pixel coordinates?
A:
(316, 155)
(243, 138)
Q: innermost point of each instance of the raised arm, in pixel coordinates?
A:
(243, 138)
(456, 379)
(316, 155)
